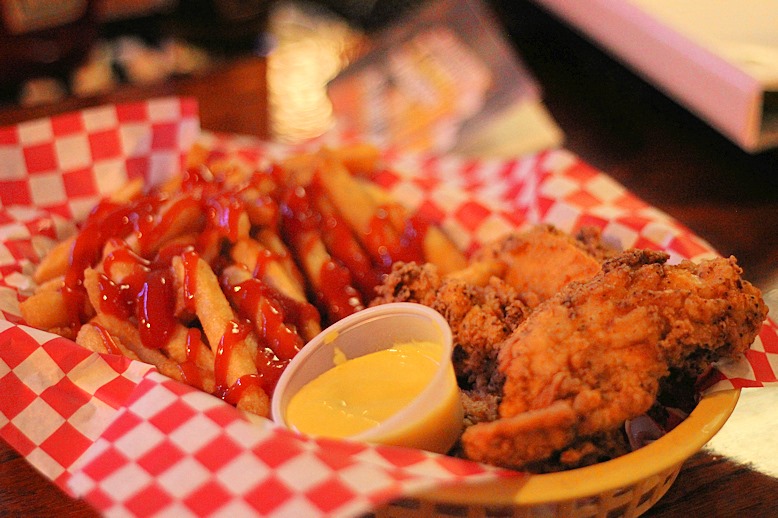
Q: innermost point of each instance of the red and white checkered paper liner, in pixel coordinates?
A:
(132, 442)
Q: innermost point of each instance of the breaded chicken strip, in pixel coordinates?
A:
(481, 316)
(542, 260)
(482, 305)
(592, 356)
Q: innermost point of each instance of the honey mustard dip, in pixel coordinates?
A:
(383, 375)
(361, 393)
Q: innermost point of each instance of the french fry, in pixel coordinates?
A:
(298, 169)
(55, 262)
(204, 297)
(129, 191)
(478, 273)
(261, 209)
(348, 195)
(45, 310)
(228, 216)
(299, 310)
(197, 156)
(265, 264)
(219, 276)
(330, 280)
(366, 217)
(95, 337)
(233, 348)
(439, 250)
(54, 284)
(121, 261)
(125, 334)
(186, 359)
(95, 284)
(437, 247)
(194, 358)
(359, 158)
(343, 245)
(51, 309)
(273, 242)
(256, 302)
(178, 217)
(208, 244)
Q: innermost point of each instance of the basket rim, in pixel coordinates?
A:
(668, 452)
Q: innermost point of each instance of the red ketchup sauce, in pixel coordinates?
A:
(389, 246)
(278, 342)
(108, 341)
(301, 223)
(190, 370)
(224, 214)
(137, 283)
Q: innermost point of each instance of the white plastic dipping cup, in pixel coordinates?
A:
(432, 421)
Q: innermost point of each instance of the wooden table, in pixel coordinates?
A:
(617, 123)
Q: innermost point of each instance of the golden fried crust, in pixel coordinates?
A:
(542, 432)
(409, 282)
(481, 317)
(541, 261)
(600, 347)
(592, 240)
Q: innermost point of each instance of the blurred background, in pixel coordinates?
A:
(278, 58)
(52, 51)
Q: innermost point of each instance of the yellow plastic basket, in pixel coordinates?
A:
(625, 486)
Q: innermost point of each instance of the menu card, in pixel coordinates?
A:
(444, 78)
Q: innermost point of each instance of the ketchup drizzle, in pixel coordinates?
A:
(235, 332)
(257, 302)
(339, 239)
(155, 309)
(136, 283)
(108, 341)
(389, 247)
(337, 296)
(189, 369)
(224, 214)
(189, 260)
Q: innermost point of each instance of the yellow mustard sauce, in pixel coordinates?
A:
(360, 393)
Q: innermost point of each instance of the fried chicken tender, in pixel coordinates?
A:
(593, 355)
(481, 316)
(486, 301)
(542, 260)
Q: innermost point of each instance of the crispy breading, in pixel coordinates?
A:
(542, 260)
(592, 240)
(409, 282)
(482, 305)
(593, 355)
(481, 317)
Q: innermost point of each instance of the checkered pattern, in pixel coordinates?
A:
(57, 397)
(64, 164)
(26, 233)
(174, 450)
(550, 187)
(54, 170)
(136, 443)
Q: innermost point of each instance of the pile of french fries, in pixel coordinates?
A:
(219, 276)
